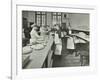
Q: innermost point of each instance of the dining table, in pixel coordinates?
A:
(40, 57)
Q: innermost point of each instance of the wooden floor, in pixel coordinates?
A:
(66, 60)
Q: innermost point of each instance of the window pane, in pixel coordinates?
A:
(38, 20)
(38, 12)
(59, 13)
(43, 19)
(59, 19)
(54, 19)
(54, 13)
(43, 13)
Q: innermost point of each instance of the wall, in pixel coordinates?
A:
(49, 19)
(31, 16)
(79, 21)
(25, 14)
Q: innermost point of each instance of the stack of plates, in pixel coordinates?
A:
(26, 50)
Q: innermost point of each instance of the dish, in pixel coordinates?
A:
(26, 50)
(37, 46)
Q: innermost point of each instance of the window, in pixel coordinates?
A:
(57, 18)
(41, 18)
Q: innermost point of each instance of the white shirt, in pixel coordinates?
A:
(43, 31)
(34, 36)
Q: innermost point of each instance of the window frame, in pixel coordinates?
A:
(57, 15)
(41, 15)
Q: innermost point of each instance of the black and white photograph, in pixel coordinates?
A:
(50, 40)
(55, 39)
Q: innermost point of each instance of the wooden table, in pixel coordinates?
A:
(38, 57)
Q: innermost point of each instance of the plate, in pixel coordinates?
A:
(26, 50)
(37, 46)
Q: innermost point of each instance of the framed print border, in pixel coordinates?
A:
(17, 8)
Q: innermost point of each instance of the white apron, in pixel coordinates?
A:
(34, 37)
(62, 34)
(58, 43)
(70, 43)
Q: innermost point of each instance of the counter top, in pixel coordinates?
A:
(38, 57)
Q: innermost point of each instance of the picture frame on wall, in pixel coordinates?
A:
(38, 61)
